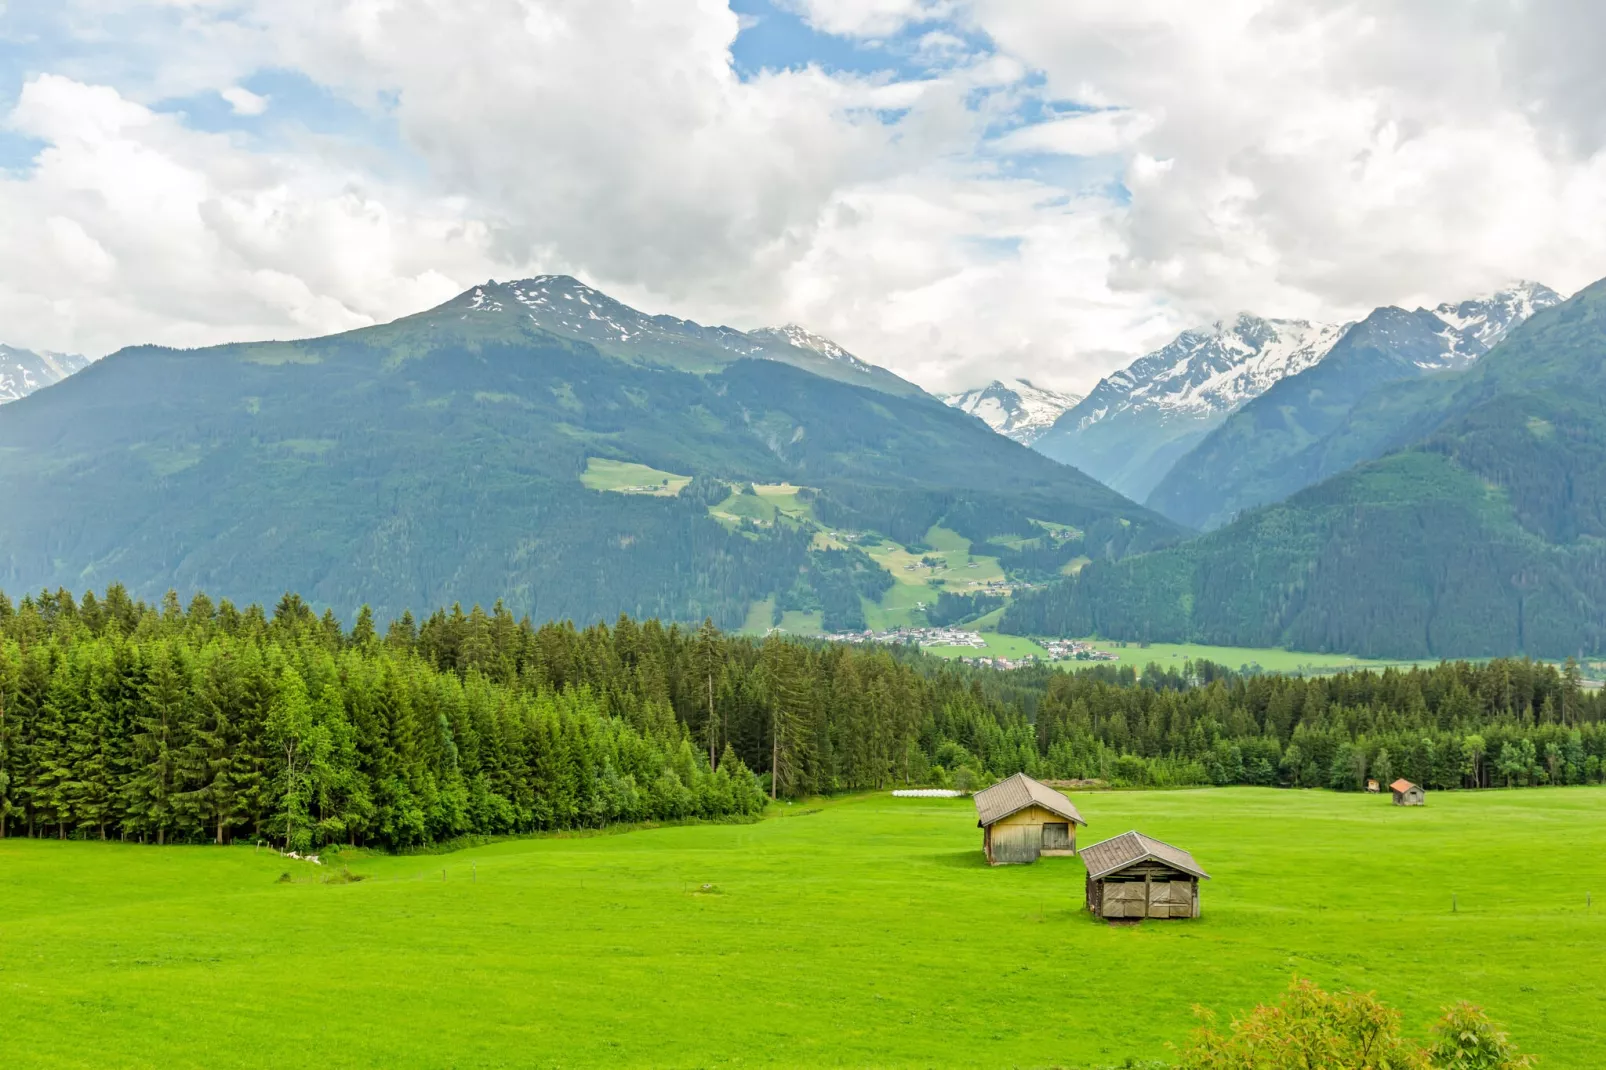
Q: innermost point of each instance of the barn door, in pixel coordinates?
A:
(1171, 899)
(1182, 899)
(1056, 836)
(1124, 899)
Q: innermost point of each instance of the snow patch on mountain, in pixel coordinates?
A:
(798, 338)
(563, 305)
(1212, 370)
(23, 371)
(1489, 318)
(1015, 408)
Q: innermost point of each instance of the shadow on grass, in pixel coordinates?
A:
(961, 859)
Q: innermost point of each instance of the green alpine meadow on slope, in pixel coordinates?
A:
(861, 931)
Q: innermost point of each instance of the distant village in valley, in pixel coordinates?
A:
(1055, 649)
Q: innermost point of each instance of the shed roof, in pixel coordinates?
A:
(1130, 848)
(1016, 794)
(1401, 785)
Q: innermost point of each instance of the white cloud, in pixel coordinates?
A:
(868, 18)
(1323, 157)
(966, 278)
(1309, 158)
(243, 101)
(1092, 133)
(594, 146)
(131, 228)
(661, 175)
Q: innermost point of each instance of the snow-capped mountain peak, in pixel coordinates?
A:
(799, 338)
(565, 306)
(1015, 408)
(1489, 318)
(23, 371)
(1213, 369)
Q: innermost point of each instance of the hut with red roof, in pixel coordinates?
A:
(1406, 793)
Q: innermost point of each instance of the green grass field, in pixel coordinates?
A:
(627, 477)
(1271, 659)
(1166, 655)
(859, 932)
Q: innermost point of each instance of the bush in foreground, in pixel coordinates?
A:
(1309, 1028)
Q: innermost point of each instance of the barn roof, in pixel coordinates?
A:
(1016, 794)
(1401, 785)
(1130, 848)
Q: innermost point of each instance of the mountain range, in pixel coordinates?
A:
(23, 371)
(533, 441)
(1134, 425)
(1015, 408)
(1296, 431)
(1189, 429)
(1427, 482)
(1477, 527)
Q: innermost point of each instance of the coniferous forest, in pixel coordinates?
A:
(208, 722)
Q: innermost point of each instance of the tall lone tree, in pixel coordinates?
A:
(707, 655)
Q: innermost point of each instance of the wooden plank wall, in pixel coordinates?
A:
(1172, 895)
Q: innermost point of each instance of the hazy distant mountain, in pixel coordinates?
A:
(1282, 441)
(1135, 424)
(1484, 534)
(1015, 407)
(23, 371)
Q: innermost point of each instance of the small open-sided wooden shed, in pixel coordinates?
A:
(1021, 819)
(1135, 876)
(1406, 793)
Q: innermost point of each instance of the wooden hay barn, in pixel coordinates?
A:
(1135, 876)
(1022, 819)
(1406, 793)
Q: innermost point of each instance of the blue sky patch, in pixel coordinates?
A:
(775, 38)
(17, 151)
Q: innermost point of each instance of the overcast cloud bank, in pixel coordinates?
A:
(1019, 189)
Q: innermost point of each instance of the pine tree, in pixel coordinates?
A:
(708, 658)
(787, 694)
(164, 701)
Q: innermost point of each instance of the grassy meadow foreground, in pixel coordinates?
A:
(864, 931)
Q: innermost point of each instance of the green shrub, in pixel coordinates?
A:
(1309, 1028)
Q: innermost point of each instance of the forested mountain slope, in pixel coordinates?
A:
(441, 457)
(1487, 536)
(1281, 440)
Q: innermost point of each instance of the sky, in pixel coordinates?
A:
(955, 189)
